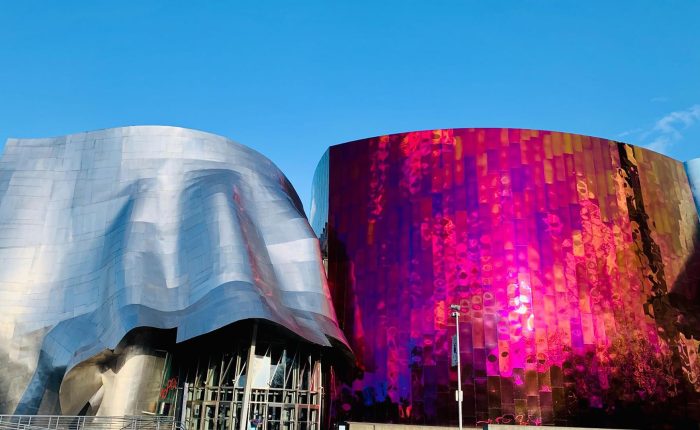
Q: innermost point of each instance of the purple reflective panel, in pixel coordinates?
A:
(567, 253)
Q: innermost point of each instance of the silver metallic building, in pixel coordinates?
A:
(105, 232)
(692, 168)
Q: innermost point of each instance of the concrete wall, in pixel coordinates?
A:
(374, 426)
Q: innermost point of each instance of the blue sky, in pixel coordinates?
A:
(290, 78)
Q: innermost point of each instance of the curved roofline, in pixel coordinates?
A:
(501, 128)
(122, 127)
(171, 128)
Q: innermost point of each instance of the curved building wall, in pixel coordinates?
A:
(693, 169)
(161, 227)
(568, 255)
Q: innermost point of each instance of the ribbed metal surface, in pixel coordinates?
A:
(692, 167)
(163, 227)
(574, 260)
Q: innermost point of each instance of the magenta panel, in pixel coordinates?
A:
(567, 253)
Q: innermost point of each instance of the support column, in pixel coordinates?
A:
(243, 424)
(319, 390)
(183, 410)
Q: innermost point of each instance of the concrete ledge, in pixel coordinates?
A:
(378, 426)
(510, 427)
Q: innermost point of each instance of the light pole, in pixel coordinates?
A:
(458, 394)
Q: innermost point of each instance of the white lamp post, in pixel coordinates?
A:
(458, 394)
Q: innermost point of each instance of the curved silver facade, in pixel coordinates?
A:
(106, 231)
(692, 168)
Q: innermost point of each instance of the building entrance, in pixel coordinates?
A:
(264, 385)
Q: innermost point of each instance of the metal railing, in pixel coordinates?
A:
(65, 422)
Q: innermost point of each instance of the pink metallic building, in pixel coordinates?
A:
(572, 258)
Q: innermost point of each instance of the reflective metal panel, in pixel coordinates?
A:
(572, 258)
(163, 227)
(692, 167)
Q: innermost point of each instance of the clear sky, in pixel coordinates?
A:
(290, 78)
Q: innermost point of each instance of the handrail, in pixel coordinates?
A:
(68, 422)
